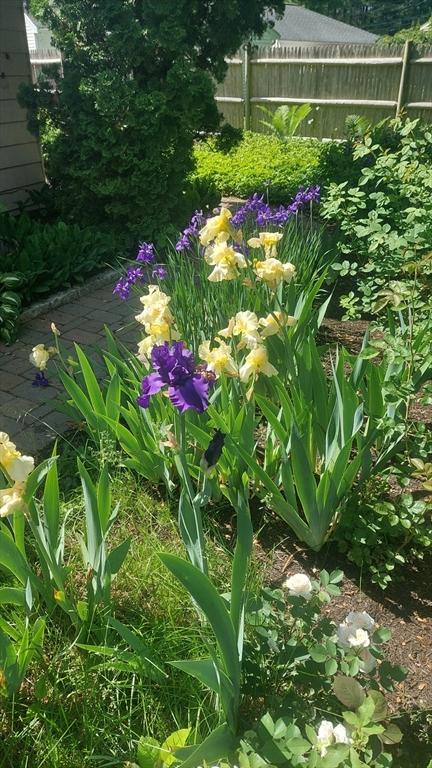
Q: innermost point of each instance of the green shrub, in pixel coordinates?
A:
(385, 219)
(138, 83)
(261, 162)
(380, 535)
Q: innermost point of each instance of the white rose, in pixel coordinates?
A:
(351, 637)
(367, 661)
(299, 585)
(20, 468)
(360, 620)
(329, 734)
(324, 737)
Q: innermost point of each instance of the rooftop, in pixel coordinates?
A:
(299, 24)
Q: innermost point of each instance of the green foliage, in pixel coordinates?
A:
(385, 221)
(10, 305)
(381, 17)
(138, 83)
(38, 259)
(415, 34)
(21, 643)
(382, 535)
(286, 120)
(261, 163)
(47, 583)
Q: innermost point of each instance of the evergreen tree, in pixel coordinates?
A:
(138, 83)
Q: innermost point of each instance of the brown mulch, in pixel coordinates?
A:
(350, 334)
(405, 607)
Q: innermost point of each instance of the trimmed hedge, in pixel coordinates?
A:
(258, 159)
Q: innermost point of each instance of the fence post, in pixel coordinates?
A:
(404, 72)
(246, 85)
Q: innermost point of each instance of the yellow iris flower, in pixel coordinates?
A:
(268, 241)
(273, 272)
(273, 323)
(17, 466)
(216, 226)
(243, 324)
(157, 319)
(256, 362)
(225, 260)
(11, 499)
(219, 360)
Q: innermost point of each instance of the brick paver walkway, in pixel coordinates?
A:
(30, 414)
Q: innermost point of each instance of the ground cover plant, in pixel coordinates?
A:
(30, 267)
(261, 163)
(157, 619)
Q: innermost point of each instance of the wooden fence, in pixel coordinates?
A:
(40, 58)
(337, 80)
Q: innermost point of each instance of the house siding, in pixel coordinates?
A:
(21, 166)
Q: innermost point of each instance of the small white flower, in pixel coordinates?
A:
(340, 734)
(329, 734)
(350, 636)
(360, 620)
(299, 585)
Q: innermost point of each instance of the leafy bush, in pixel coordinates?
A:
(37, 259)
(139, 81)
(385, 221)
(260, 163)
(380, 535)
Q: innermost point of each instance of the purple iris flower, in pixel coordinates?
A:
(192, 230)
(254, 204)
(159, 273)
(174, 367)
(40, 380)
(256, 208)
(146, 253)
(124, 285)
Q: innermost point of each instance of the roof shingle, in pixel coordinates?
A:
(300, 24)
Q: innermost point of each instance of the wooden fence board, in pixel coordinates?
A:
(337, 80)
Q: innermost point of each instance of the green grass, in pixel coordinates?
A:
(73, 711)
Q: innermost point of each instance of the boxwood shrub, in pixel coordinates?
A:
(259, 161)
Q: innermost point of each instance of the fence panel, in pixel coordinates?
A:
(337, 80)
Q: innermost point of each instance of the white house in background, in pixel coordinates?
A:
(20, 158)
(40, 45)
(31, 32)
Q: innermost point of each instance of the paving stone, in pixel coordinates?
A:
(80, 336)
(16, 407)
(29, 413)
(38, 394)
(10, 425)
(9, 381)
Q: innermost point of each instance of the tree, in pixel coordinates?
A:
(138, 82)
(379, 16)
